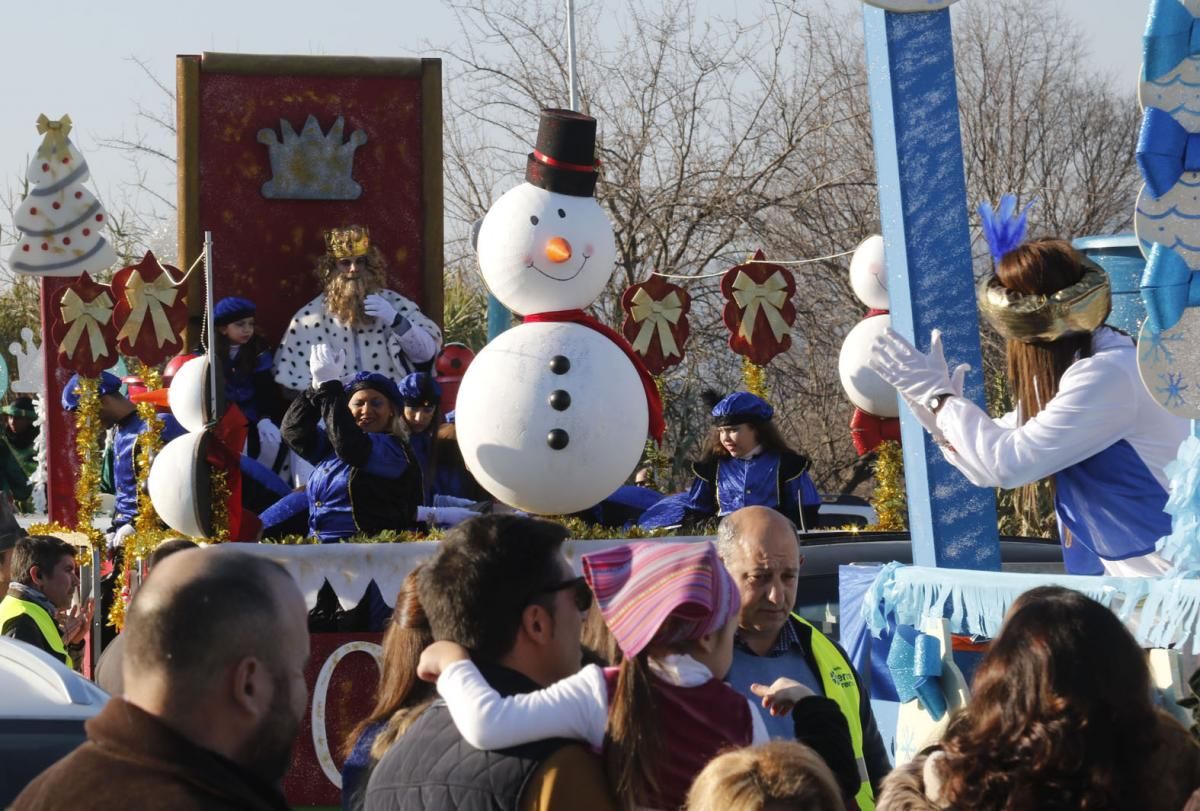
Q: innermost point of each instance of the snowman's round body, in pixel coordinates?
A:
(551, 416)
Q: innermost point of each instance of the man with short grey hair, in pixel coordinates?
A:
(761, 549)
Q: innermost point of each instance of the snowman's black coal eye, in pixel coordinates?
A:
(533, 219)
(562, 213)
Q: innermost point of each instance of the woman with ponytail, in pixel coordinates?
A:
(660, 716)
(1082, 416)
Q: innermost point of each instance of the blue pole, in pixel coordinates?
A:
(498, 316)
(923, 211)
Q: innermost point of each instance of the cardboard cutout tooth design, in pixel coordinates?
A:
(552, 416)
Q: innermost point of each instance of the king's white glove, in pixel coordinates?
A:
(268, 433)
(325, 364)
(917, 377)
(377, 306)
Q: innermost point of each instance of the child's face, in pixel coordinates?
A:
(418, 416)
(738, 440)
(238, 332)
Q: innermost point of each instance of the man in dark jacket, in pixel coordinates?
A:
(760, 548)
(216, 644)
(500, 587)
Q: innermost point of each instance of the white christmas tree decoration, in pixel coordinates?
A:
(61, 223)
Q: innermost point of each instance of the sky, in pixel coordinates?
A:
(85, 61)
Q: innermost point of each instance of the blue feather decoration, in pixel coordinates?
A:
(1003, 228)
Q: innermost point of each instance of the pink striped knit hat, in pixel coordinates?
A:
(640, 586)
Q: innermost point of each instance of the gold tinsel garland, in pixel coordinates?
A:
(148, 531)
(890, 502)
(755, 378)
(219, 480)
(87, 436)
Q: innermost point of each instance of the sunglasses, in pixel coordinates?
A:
(582, 595)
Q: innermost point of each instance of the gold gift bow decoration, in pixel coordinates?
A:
(768, 296)
(652, 314)
(152, 297)
(56, 134)
(85, 315)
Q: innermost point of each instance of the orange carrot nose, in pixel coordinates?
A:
(558, 250)
(156, 396)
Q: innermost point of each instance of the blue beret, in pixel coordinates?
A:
(109, 384)
(420, 388)
(741, 407)
(373, 380)
(232, 309)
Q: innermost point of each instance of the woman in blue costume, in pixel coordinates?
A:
(1083, 416)
(747, 463)
(366, 478)
(421, 395)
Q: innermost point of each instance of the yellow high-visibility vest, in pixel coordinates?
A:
(11, 608)
(837, 678)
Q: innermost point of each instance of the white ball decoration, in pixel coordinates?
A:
(551, 377)
(868, 273)
(866, 389)
(173, 484)
(541, 251)
(186, 395)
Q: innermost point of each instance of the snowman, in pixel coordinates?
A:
(553, 414)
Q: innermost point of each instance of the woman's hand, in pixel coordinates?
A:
(325, 365)
(437, 657)
(782, 695)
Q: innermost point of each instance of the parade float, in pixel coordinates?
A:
(275, 149)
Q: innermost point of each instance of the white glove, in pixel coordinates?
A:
(268, 433)
(440, 501)
(117, 539)
(926, 417)
(915, 375)
(377, 306)
(325, 364)
(444, 516)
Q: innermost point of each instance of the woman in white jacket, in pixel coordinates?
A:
(1082, 413)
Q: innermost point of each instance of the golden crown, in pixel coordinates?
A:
(344, 243)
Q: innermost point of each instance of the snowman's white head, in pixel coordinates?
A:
(541, 251)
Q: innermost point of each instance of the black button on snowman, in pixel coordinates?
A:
(551, 415)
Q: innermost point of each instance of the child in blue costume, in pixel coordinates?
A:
(119, 414)
(421, 396)
(366, 478)
(246, 362)
(746, 463)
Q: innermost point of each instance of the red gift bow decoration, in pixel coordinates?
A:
(867, 431)
(82, 328)
(653, 399)
(150, 311)
(656, 323)
(758, 309)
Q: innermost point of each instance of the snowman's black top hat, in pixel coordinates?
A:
(564, 159)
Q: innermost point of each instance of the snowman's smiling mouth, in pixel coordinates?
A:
(554, 278)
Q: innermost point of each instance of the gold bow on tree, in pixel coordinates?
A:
(56, 135)
(767, 297)
(152, 297)
(656, 314)
(85, 316)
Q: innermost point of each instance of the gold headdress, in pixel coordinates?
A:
(344, 243)
(1030, 317)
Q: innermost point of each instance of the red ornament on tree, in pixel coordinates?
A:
(83, 330)
(150, 311)
(758, 310)
(656, 323)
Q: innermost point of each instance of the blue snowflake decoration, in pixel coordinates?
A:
(1172, 392)
(1155, 346)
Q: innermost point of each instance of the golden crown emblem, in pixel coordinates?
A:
(311, 165)
(343, 243)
